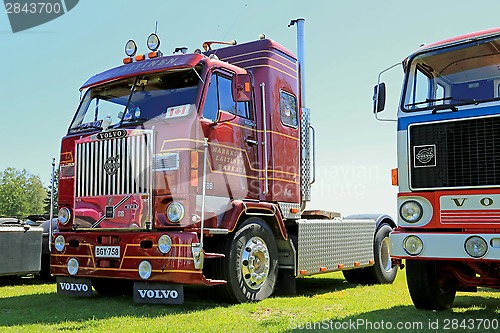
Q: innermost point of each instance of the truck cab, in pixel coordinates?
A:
(448, 170)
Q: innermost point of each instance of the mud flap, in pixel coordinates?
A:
(158, 293)
(74, 286)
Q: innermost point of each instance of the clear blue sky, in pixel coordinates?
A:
(347, 44)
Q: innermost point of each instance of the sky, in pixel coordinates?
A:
(347, 44)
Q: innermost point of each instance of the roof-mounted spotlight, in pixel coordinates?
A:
(153, 42)
(130, 50)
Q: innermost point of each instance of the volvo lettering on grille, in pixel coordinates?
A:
(112, 165)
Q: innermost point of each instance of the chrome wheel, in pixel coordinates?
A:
(385, 258)
(255, 263)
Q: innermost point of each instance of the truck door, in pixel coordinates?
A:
(233, 166)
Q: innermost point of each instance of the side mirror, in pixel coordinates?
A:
(241, 85)
(379, 98)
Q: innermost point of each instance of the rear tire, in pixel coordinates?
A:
(354, 276)
(382, 271)
(250, 266)
(427, 289)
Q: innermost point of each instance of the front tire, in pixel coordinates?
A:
(251, 263)
(429, 290)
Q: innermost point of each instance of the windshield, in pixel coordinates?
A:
(459, 75)
(135, 100)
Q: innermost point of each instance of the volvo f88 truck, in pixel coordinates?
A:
(195, 169)
(448, 148)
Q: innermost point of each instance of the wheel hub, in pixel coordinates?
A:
(255, 263)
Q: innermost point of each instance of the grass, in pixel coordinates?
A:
(322, 303)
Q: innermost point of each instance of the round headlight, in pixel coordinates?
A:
(164, 244)
(175, 211)
(73, 266)
(413, 245)
(130, 48)
(145, 270)
(153, 42)
(59, 243)
(476, 247)
(64, 215)
(411, 211)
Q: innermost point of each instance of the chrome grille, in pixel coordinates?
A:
(114, 166)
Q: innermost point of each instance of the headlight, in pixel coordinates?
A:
(64, 215)
(73, 266)
(476, 247)
(411, 211)
(145, 270)
(164, 244)
(59, 243)
(175, 211)
(413, 245)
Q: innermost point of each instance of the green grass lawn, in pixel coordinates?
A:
(323, 303)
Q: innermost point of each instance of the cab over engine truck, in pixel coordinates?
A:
(448, 168)
(195, 169)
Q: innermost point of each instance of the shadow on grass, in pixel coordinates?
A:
(50, 308)
(23, 281)
(473, 313)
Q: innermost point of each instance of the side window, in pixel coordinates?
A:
(420, 89)
(288, 109)
(226, 102)
(220, 97)
(212, 100)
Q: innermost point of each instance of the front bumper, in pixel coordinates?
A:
(439, 245)
(177, 266)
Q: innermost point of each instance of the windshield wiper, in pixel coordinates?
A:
(432, 100)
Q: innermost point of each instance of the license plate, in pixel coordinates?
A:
(107, 252)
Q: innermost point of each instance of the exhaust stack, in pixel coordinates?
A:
(307, 172)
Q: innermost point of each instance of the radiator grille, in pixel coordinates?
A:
(114, 166)
(466, 153)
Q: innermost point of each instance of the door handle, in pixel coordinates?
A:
(251, 142)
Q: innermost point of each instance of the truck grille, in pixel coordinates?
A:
(114, 166)
(461, 153)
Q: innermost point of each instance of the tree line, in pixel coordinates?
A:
(23, 194)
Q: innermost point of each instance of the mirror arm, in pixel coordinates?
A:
(376, 95)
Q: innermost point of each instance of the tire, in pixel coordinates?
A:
(382, 271)
(427, 290)
(112, 287)
(250, 266)
(354, 276)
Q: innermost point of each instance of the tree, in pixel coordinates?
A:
(21, 193)
(56, 194)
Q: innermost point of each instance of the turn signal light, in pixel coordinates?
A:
(394, 177)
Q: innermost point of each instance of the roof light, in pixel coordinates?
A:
(153, 42)
(130, 48)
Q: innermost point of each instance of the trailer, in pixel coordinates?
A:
(195, 169)
(20, 247)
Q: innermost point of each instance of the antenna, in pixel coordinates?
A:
(156, 27)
